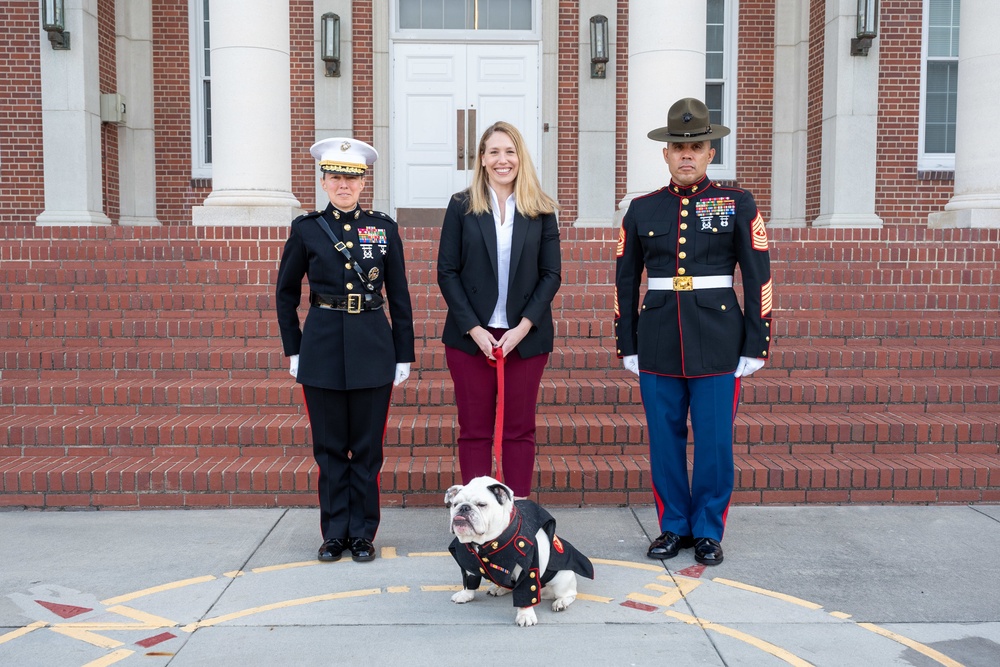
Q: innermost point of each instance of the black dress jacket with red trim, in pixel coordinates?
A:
(498, 559)
(703, 229)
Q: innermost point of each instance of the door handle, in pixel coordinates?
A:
(460, 127)
(472, 139)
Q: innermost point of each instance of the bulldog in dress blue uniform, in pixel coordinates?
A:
(689, 341)
(347, 356)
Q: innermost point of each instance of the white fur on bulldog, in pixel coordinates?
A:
(481, 511)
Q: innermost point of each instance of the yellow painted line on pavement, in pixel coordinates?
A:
(110, 658)
(629, 564)
(936, 656)
(158, 589)
(593, 598)
(441, 589)
(280, 605)
(671, 594)
(756, 642)
(20, 632)
(429, 554)
(839, 614)
(388, 552)
(149, 620)
(771, 594)
(233, 574)
(397, 589)
(285, 566)
(87, 636)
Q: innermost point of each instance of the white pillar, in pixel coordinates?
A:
(597, 141)
(791, 69)
(251, 116)
(850, 122)
(380, 113)
(71, 122)
(976, 202)
(666, 62)
(136, 146)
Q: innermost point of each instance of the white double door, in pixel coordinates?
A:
(444, 96)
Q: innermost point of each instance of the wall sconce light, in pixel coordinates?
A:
(867, 27)
(598, 46)
(329, 27)
(54, 23)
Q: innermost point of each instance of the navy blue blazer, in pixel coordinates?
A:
(467, 275)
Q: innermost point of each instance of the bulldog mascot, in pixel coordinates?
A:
(514, 545)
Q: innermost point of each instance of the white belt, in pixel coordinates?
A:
(687, 283)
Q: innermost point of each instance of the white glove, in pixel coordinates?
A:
(293, 365)
(631, 363)
(402, 372)
(748, 366)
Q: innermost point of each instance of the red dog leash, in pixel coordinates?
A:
(498, 428)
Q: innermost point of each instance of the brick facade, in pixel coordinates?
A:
(108, 77)
(21, 163)
(755, 92)
(569, 108)
(303, 57)
(362, 70)
(814, 114)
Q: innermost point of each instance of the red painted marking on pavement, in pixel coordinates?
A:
(639, 605)
(693, 571)
(153, 641)
(63, 610)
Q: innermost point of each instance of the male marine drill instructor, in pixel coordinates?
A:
(689, 342)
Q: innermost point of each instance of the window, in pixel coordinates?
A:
(939, 84)
(465, 14)
(201, 90)
(720, 87)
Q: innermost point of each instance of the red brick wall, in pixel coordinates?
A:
(621, 102)
(172, 114)
(900, 198)
(568, 112)
(107, 50)
(303, 57)
(21, 167)
(814, 115)
(755, 100)
(362, 69)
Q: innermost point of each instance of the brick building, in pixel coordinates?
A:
(149, 171)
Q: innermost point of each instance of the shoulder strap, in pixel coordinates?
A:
(339, 245)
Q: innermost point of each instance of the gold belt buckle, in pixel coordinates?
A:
(683, 284)
(354, 303)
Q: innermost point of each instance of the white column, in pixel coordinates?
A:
(136, 145)
(380, 112)
(666, 62)
(71, 122)
(251, 123)
(976, 202)
(791, 60)
(597, 141)
(850, 121)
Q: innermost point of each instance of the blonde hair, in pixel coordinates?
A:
(530, 200)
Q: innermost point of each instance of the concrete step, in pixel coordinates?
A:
(282, 481)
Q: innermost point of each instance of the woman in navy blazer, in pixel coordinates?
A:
(499, 269)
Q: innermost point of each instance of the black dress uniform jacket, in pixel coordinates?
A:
(697, 230)
(467, 275)
(496, 560)
(337, 349)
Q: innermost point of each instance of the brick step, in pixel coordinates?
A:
(570, 433)
(283, 481)
(259, 358)
(435, 395)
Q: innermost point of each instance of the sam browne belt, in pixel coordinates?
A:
(688, 283)
(352, 303)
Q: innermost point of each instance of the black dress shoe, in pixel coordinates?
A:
(707, 551)
(362, 550)
(668, 544)
(332, 550)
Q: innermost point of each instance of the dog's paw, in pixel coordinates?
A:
(526, 617)
(463, 596)
(560, 604)
(497, 591)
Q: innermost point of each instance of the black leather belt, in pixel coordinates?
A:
(352, 303)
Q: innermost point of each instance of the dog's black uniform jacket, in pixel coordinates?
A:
(497, 559)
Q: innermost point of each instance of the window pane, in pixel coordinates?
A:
(716, 11)
(409, 14)
(713, 100)
(940, 107)
(942, 22)
(714, 36)
(457, 16)
(208, 121)
(713, 65)
(432, 15)
(496, 14)
(520, 15)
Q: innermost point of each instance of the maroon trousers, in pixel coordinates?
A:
(476, 397)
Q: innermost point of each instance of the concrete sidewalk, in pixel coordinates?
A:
(871, 586)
